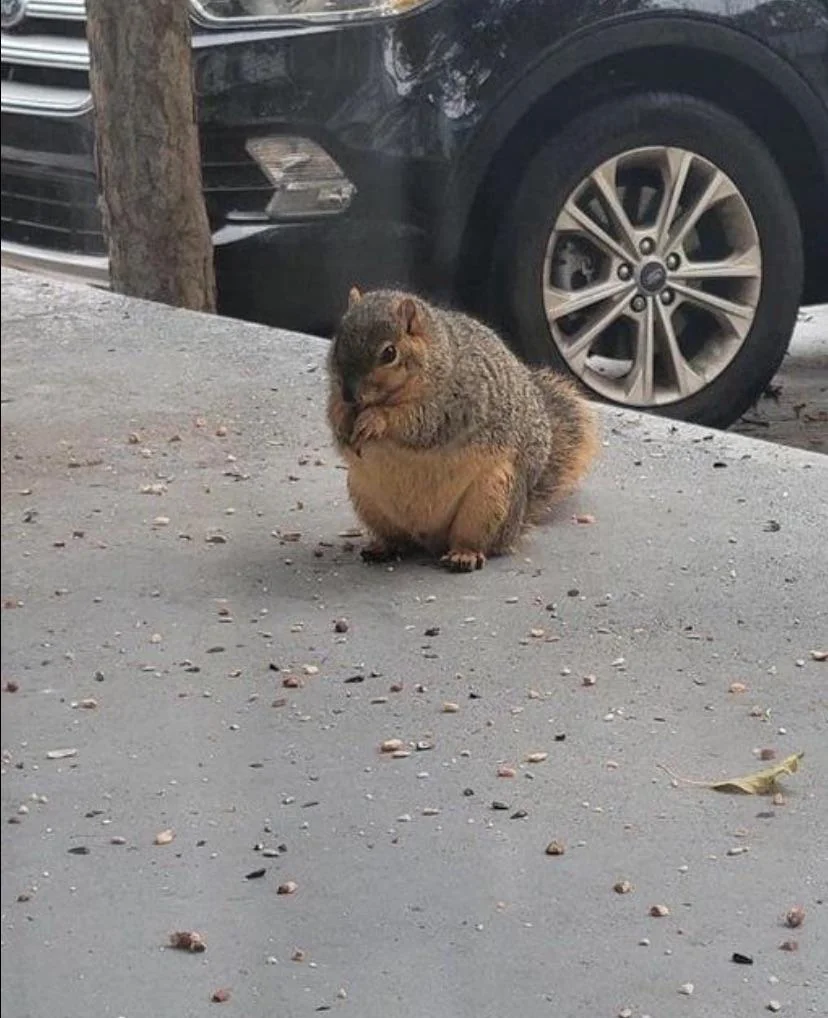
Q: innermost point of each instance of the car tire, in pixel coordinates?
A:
(717, 362)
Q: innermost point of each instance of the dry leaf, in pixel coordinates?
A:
(759, 783)
(164, 837)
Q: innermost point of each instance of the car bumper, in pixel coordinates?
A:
(296, 274)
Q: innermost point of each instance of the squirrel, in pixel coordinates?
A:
(452, 444)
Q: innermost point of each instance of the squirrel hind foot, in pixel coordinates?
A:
(463, 560)
(380, 551)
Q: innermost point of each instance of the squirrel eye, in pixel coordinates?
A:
(388, 354)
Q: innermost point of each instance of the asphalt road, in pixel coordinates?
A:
(186, 728)
(794, 409)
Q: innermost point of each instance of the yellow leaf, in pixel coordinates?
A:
(759, 783)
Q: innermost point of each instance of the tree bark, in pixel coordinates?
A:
(147, 151)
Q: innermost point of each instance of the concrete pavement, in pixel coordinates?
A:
(176, 555)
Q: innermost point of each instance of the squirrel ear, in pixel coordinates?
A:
(354, 296)
(409, 317)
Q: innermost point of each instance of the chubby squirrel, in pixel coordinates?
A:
(452, 444)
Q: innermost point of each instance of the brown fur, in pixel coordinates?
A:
(452, 444)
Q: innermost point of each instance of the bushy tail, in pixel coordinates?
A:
(575, 440)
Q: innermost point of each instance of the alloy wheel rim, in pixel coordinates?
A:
(652, 276)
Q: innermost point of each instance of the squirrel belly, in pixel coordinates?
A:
(406, 495)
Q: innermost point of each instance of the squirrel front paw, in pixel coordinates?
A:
(371, 423)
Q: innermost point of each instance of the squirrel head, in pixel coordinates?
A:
(382, 349)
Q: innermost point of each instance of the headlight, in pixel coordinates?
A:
(225, 13)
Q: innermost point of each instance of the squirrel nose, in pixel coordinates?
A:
(350, 388)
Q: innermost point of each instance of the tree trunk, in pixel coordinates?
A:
(147, 151)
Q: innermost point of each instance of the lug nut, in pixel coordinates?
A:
(666, 296)
(624, 271)
(638, 303)
(673, 261)
(647, 246)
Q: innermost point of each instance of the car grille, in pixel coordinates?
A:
(50, 198)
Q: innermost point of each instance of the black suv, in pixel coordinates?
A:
(633, 190)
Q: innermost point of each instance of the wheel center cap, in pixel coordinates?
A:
(652, 276)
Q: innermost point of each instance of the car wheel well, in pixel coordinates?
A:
(693, 72)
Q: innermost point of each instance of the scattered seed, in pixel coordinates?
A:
(430, 811)
(216, 538)
(819, 655)
(164, 837)
(622, 887)
(298, 955)
(292, 682)
(519, 814)
(395, 687)
(11, 686)
(450, 708)
(659, 911)
(255, 874)
(767, 754)
(738, 850)
(789, 945)
(222, 995)
(506, 772)
(498, 804)
(288, 887)
(795, 916)
(537, 634)
(423, 745)
(79, 850)
(188, 940)
(537, 757)
(400, 754)
(61, 754)
(741, 959)
(774, 1005)
(555, 848)
(153, 489)
(117, 840)
(687, 989)
(737, 687)
(391, 745)
(588, 680)
(583, 518)
(341, 626)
